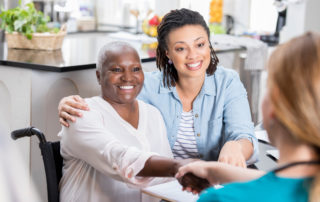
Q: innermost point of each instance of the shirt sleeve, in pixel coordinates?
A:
(237, 116)
(87, 140)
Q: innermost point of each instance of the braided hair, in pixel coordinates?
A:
(171, 21)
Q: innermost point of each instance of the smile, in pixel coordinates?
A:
(194, 66)
(126, 87)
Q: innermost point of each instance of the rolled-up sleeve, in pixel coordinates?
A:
(237, 117)
(87, 140)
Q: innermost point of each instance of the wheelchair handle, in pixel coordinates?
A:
(28, 132)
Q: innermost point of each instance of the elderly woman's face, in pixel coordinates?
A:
(121, 77)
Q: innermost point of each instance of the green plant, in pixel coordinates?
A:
(26, 20)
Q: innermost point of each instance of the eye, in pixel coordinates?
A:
(115, 69)
(201, 45)
(179, 49)
(136, 69)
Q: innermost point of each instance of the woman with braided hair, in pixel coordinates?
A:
(204, 106)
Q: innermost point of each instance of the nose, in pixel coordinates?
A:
(127, 76)
(192, 53)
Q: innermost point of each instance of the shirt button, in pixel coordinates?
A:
(196, 115)
(198, 134)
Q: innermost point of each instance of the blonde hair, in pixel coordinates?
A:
(294, 70)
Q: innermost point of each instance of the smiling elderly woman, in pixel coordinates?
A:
(120, 141)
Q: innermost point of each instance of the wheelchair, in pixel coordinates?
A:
(52, 159)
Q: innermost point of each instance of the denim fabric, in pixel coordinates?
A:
(221, 111)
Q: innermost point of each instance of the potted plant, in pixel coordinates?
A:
(27, 28)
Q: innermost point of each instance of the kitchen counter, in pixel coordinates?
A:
(79, 51)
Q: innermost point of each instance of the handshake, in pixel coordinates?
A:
(189, 181)
(193, 183)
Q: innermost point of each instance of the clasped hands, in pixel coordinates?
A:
(192, 183)
(195, 176)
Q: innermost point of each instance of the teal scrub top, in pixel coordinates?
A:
(268, 188)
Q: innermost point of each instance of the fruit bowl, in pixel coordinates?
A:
(150, 24)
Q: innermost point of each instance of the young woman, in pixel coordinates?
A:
(291, 116)
(205, 107)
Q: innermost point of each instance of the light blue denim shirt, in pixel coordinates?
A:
(221, 111)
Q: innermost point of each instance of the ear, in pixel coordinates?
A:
(167, 54)
(98, 77)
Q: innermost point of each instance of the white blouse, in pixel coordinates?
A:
(103, 153)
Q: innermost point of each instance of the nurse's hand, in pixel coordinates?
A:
(232, 153)
(194, 176)
(69, 108)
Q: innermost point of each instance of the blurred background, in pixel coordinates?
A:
(32, 82)
(251, 17)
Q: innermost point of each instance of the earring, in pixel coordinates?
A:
(170, 62)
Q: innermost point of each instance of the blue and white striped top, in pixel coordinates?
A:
(185, 145)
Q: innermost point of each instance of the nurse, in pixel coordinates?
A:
(204, 106)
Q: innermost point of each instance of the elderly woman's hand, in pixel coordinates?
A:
(232, 153)
(68, 109)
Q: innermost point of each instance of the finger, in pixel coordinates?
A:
(66, 116)
(64, 122)
(244, 164)
(222, 160)
(76, 105)
(78, 98)
(71, 110)
(181, 172)
(189, 189)
(80, 102)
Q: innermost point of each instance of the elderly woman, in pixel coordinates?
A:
(119, 140)
(291, 116)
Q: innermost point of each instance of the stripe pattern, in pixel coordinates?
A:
(185, 145)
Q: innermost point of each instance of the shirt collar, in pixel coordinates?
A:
(208, 88)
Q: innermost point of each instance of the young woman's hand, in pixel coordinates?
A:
(69, 109)
(232, 153)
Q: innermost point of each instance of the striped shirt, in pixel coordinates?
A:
(185, 145)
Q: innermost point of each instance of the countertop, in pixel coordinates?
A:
(79, 51)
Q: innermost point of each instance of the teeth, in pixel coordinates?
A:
(194, 64)
(126, 87)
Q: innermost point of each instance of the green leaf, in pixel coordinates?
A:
(25, 19)
(19, 23)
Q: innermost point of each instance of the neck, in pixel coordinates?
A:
(127, 111)
(291, 151)
(188, 89)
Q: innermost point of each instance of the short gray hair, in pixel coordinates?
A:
(103, 56)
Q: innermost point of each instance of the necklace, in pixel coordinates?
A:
(295, 164)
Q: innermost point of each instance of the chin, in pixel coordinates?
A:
(127, 100)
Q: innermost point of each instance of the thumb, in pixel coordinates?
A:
(181, 172)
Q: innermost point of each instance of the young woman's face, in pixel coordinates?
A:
(121, 79)
(189, 50)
